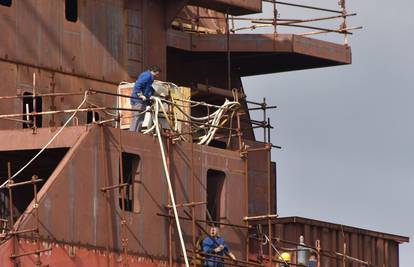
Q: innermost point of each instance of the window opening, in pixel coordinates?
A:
(215, 195)
(6, 2)
(131, 173)
(43, 167)
(71, 10)
(218, 144)
(90, 116)
(28, 108)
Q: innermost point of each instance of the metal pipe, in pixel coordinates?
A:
(264, 119)
(40, 95)
(303, 6)
(246, 193)
(54, 112)
(124, 239)
(191, 204)
(295, 21)
(36, 208)
(18, 120)
(14, 241)
(215, 90)
(23, 231)
(268, 133)
(254, 103)
(269, 201)
(14, 256)
(113, 187)
(274, 22)
(23, 183)
(260, 217)
(106, 195)
(205, 221)
(267, 107)
(318, 28)
(320, 32)
(228, 52)
(193, 195)
(318, 19)
(34, 125)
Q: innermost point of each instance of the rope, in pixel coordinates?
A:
(167, 176)
(50, 141)
(215, 119)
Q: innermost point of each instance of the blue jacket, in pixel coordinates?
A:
(143, 86)
(208, 247)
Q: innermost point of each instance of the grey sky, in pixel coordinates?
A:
(347, 132)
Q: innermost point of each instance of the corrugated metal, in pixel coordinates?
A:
(378, 249)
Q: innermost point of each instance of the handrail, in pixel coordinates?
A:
(191, 24)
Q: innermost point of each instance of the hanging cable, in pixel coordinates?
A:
(167, 176)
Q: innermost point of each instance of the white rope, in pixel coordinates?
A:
(167, 176)
(213, 120)
(51, 140)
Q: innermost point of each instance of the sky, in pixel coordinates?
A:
(347, 132)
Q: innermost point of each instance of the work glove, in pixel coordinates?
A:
(219, 249)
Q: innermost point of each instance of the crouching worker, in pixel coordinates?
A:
(215, 245)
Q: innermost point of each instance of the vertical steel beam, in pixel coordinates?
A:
(228, 52)
(193, 222)
(106, 193)
(36, 210)
(124, 239)
(11, 219)
(34, 126)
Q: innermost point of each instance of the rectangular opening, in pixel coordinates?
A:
(71, 10)
(6, 2)
(215, 195)
(92, 116)
(131, 170)
(42, 167)
(28, 107)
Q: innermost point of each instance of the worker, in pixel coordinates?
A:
(215, 245)
(313, 260)
(140, 96)
(303, 252)
(285, 259)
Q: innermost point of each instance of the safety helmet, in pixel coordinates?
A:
(285, 256)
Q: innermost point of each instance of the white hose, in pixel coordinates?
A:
(214, 119)
(167, 176)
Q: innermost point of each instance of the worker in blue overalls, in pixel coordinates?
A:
(215, 245)
(140, 96)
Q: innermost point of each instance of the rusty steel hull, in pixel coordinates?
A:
(75, 214)
(73, 191)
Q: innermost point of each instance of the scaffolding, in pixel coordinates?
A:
(239, 24)
(252, 224)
